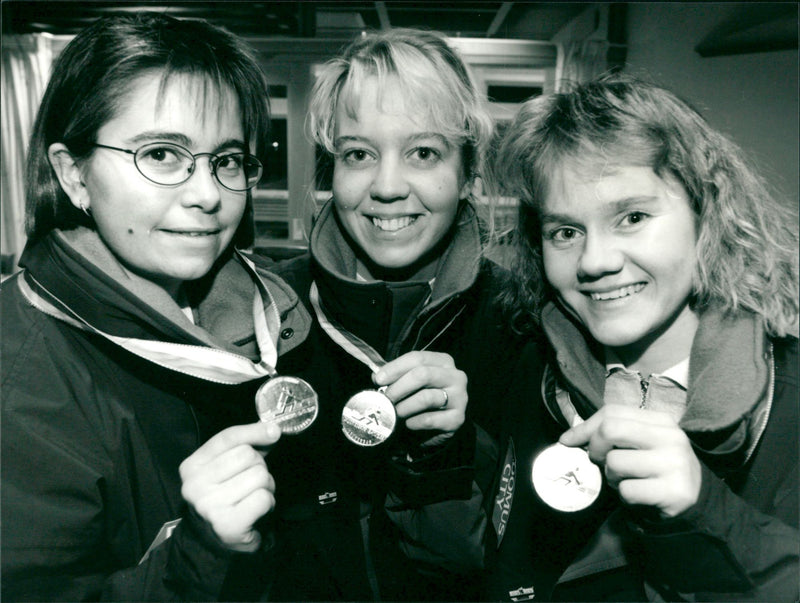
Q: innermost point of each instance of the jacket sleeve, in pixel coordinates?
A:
(70, 530)
(721, 549)
(57, 532)
(190, 565)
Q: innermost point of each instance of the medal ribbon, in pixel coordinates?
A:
(353, 345)
(206, 363)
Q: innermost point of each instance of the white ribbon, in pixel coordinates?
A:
(353, 345)
(206, 363)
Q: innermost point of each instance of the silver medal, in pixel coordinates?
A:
(368, 418)
(565, 478)
(288, 401)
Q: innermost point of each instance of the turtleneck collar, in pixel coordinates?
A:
(457, 268)
(728, 371)
(77, 268)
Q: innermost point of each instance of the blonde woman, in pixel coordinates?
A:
(402, 303)
(665, 277)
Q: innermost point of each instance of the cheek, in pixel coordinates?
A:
(680, 254)
(233, 207)
(554, 267)
(346, 188)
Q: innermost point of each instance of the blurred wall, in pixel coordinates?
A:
(753, 98)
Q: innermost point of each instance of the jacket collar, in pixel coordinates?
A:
(456, 272)
(729, 371)
(78, 270)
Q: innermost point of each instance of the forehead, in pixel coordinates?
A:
(392, 96)
(181, 102)
(581, 188)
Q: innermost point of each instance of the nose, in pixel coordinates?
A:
(389, 182)
(601, 255)
(202, 189)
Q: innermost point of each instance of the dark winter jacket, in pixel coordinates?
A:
(93, 434)
(363, 523)
(739, 542)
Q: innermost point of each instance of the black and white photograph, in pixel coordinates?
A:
(399, 301)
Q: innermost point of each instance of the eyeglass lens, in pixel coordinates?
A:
(168, 164)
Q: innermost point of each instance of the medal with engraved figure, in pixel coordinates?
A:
(369, 418)
(565, 478)
(288, 401)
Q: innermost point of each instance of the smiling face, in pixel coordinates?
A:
(620, 252)
(167, 234)
(397, 182)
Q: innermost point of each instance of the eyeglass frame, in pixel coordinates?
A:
(213, 157)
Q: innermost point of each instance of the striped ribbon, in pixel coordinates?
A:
(210, 364)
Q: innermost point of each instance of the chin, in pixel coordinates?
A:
(192, 274)
(615, 338)
(394, 261)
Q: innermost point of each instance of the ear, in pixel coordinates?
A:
(69, 175)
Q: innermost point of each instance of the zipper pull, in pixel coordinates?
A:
(645, 384)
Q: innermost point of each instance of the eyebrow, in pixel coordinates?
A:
(615, 207)
(181, 139)
(413, 138)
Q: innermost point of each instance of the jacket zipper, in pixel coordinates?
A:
(645, 385)
(768, 410)
(426, 320)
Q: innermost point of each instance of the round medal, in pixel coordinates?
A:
(565, 478)
(288, 401)
(368, 418)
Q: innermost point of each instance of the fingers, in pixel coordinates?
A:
(254, 434)
(227, 482)
(645, 454)
(617, 426)
(420, 383)
(392, 371)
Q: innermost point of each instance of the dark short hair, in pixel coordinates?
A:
(94, 72)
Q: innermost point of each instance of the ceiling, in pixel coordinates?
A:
(745, 27)
(254, 19)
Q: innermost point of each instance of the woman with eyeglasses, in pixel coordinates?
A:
(136, 335)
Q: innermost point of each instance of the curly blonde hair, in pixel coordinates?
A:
(747, 247)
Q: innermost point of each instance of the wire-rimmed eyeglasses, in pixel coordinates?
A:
(169, 164)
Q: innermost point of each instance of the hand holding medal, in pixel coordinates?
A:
(645, 454)
(431, 392)
(420, 381)
(228, 484)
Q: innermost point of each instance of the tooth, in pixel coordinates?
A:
(392, 224)
(619, 293)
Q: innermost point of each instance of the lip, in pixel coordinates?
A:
(610, 294)
(191, 232)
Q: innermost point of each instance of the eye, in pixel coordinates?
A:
(562, 236)
(355, 157)
(634, 218)
(232, 162)
(425, 155)
(162, 157)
